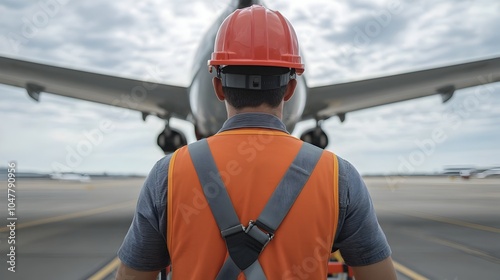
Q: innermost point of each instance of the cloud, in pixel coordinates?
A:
(340, 40)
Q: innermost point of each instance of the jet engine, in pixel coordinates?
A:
(170, 139)
(315, 136)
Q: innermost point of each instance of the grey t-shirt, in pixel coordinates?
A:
(359, 237)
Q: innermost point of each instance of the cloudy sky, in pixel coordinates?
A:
(341, 41)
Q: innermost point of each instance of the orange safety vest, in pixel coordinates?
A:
(251, 163)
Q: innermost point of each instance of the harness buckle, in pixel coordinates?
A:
(259, 234)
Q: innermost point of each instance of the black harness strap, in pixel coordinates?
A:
(245, 244)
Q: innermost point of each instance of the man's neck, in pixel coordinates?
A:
(278, 111)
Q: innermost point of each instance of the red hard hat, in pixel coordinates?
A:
(256, 36)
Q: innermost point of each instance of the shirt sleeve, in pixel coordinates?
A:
(359, 238)
(144, 247)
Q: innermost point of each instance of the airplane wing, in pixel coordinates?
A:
(147, 97)
(339, 99)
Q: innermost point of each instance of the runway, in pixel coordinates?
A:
(68, 230)
(441, 228)
(438, 228)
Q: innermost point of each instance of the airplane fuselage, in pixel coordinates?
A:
(209, 113)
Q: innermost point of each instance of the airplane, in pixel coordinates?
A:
(83, 178)
(198, 104)
(489, 172)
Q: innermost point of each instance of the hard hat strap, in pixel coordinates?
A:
(256, 82)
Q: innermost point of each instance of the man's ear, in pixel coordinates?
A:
(218, 89)
(290, 88)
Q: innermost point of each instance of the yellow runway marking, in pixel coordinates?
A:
(73, 215)
(408, 272)
(113, 265)
(465, 249)
(106, 270)
(454, 222)
(445, 220)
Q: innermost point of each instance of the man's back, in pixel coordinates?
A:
(251, 163)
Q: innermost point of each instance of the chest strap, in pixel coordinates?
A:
(245, 243)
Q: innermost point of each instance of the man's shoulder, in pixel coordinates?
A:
(350, 182)
(345, 168)
(159, 173)
(163, 163)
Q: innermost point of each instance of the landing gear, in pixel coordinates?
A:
(171, 139)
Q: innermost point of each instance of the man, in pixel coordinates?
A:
(253, 201)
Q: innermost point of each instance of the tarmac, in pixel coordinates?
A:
(441, 227)
(438, 227)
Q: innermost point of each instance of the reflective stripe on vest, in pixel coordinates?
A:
(251, 162)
